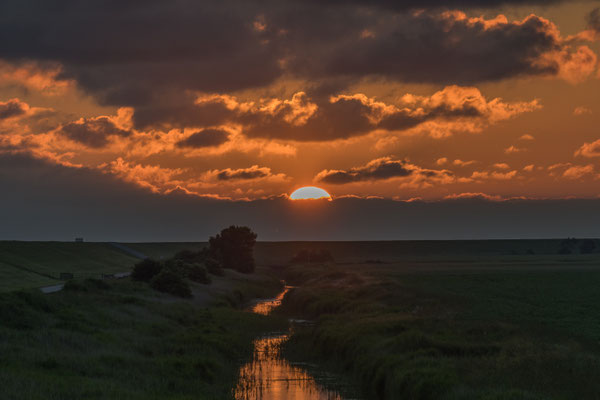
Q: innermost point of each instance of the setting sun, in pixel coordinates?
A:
(310, 193)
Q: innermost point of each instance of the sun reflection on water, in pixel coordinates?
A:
(269, 376)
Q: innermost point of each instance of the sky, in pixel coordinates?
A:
(129, 120)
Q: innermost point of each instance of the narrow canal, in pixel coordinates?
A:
(269, 376)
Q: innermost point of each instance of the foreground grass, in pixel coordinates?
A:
(121, 340)
(452, 333)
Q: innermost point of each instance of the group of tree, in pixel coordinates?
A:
(233, 248)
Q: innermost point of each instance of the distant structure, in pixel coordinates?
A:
(79, 240)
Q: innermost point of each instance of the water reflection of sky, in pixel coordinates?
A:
(269, 376)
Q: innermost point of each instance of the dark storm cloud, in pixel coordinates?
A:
(126, 52)
(12, 108)
(432, 48)
(144, 54)
(204, 138)
(122, 212)
(93, 132)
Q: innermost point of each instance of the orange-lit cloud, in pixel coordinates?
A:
(589, 149)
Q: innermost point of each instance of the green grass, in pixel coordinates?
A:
(47, 260)
(475, 330)
(121, 340)
(12, 278)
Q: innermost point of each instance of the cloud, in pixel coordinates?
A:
(204, 138)
(302, 118)
(593, 20)
(570, 171)
(93, 132)
(589, 149)
(514, 149)
(476, 196)
(441, 161)
(410, 48)
(578, 171)
(527, 137)
(462, 163)
(152, 177)
(426, 4)
(492, 175)
(12, 108)
(34, 76)
(244, 174)
(581, 110)
(380, 169)
(231, 45)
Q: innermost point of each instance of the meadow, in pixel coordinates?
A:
(506, 319)
(117, 339)
(455, 325)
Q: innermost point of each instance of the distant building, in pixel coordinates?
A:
(79, 240)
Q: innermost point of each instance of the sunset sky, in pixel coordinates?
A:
(233, 103)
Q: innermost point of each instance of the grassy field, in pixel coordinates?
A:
(34, 264)
(117, 339)
(472, 326)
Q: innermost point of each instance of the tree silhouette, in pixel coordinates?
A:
(233, 248)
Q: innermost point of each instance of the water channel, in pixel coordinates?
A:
(269, 376)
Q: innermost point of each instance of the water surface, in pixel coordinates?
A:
(269, 376)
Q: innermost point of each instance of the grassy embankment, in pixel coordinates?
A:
(117, 339)
(35, 264)
(475, 326)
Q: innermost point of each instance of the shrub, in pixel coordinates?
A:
(233, 248)
(145, 270)
(190, 256)
(168, 281)
(193, 271)
(214, 267)
(198, 273)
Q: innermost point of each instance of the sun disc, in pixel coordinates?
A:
(310, 193)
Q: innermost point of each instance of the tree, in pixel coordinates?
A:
(168, 281)
(145, 270)
(233, 248)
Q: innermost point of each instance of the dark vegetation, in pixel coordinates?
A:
(453, 330)
(118, 339)
(231, 249)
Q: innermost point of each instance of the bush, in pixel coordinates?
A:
(168, 281)
(214, 267)
(233, 248)
(198, 273)
(191, 257)
(193, 271)
(145, 270)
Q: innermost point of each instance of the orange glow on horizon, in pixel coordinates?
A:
(310, 193)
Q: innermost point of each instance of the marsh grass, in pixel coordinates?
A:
(451, 333)
(121, 340)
